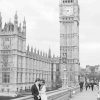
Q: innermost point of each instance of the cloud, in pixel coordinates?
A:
(89, 54)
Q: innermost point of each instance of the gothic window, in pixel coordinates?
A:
(71, 1)
(64, 1)
(68, 1)
(6, 42)
(5, 60)
(5, 77)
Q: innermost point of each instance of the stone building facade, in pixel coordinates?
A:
(95, 68)
(20, 67)
(69, 41)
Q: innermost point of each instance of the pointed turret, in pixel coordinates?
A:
(15, 22)
(28, 48)
(35, 50)
(20, 27)
(0, 22)
(49, 53)
(38, 52)
(31, 49)
(24, 26)
(16, 19)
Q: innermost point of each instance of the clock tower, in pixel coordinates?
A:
(69, 41)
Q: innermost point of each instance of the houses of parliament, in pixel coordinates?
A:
(19, 67)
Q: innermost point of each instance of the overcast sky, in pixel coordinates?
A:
(42, 17)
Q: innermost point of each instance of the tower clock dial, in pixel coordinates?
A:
(67, 11)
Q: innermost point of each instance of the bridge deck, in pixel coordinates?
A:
(86, 95)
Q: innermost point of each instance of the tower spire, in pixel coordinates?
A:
(49, 53)
(24, 26)
(20, 27)
(0, 22)
(16, 19)
(15, 22)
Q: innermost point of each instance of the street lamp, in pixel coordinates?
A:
(65, 77)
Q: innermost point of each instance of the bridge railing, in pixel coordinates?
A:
(60, 94)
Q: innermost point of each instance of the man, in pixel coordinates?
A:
(35, 90)
(92, 85)
(81, 86)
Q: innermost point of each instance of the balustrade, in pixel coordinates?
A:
(60, 94)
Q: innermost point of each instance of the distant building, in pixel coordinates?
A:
(82, 75)
(89, 68)
(93, 72)
(20, 67)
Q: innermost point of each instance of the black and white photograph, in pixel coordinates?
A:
(49, 50)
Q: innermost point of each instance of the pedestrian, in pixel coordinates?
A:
(81, 86)
(35, 90)
(92, 86)
(89, 85)
(86, 85)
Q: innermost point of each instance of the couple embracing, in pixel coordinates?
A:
(39, 90)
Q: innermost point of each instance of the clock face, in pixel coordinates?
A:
(68, 11)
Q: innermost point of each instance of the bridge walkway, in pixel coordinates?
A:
(86, 95)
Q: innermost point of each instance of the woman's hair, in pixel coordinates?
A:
(43, 81)
(37, 80)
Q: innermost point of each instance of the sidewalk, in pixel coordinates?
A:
(86, 95)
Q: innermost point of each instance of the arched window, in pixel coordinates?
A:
(68, 1)
(71, 1)
(65, 1)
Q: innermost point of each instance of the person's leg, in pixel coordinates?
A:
(86, 88)
(80, 89)
(89, 86)
(92, 88)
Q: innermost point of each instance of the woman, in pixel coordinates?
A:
(43, 91)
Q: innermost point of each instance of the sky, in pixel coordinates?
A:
(43, 27)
